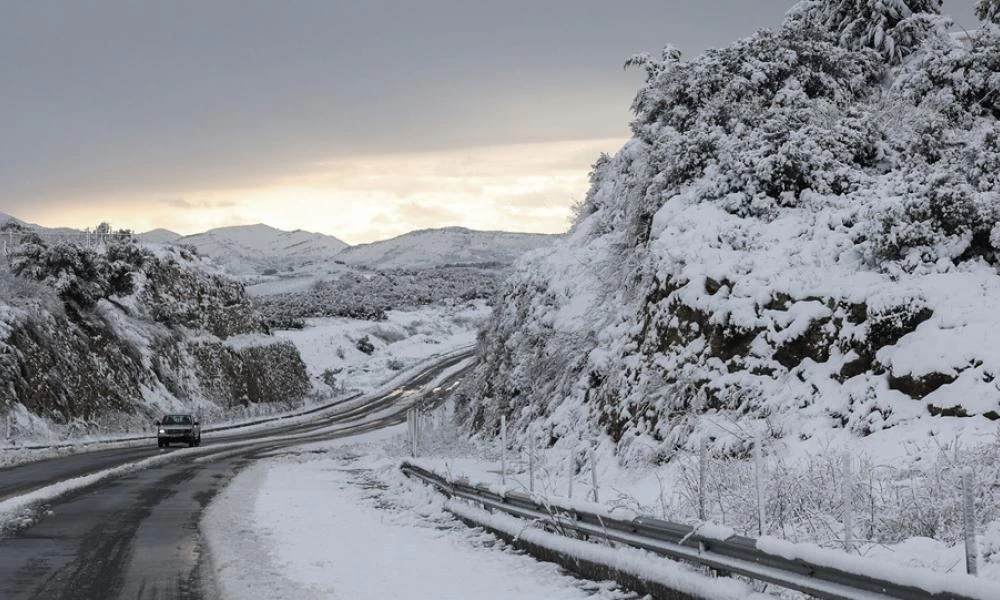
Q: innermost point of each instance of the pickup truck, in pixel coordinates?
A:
(178, 428)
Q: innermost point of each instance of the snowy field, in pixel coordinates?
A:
(336, 520)
(351, 354)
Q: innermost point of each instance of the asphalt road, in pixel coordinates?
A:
(136, 536)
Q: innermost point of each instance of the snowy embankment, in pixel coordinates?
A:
(337, 519)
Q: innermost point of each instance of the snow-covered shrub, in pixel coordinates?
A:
(80, 274)
(368, 295)
(916, 497)
(895, 28)
(365, 345)
(988, 10)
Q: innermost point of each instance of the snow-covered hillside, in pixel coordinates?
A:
(430, 248)
(800, 238)
(260, 249)
(107, 337)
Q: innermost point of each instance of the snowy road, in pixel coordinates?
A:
(137, 536)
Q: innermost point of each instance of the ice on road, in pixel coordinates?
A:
(321, 526)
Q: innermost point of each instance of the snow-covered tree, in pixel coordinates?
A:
(894, 28)
(988, 10)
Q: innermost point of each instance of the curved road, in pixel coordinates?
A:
(136, 536)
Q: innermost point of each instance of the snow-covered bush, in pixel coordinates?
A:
(988, 10)
(368, 295)
(365, 345)
(80, 274)
(917, 497)
(895, 28)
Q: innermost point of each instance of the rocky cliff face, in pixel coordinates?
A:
(78, 351)
(801, 236)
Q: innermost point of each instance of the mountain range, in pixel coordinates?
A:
(260, 252)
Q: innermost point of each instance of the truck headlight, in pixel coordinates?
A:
(163, 431)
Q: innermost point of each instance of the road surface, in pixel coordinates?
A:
(136, 536)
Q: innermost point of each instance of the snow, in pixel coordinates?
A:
(324, 522)
(928, 581)
(404, 339)
(159, 236)
(249, 250)
(645, 565)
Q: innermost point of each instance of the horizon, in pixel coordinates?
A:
(268, 226)
(362, 122)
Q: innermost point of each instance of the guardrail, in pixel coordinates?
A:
(152, 436)
(735, 555)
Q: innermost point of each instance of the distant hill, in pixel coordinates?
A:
(160, 236)
(429, 248)
(4, 218)
(255, 249)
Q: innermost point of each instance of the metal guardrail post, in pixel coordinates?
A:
(969, 522)
(570, 468)
(702, 476)
(503, 449)
(847, 493)
(758, 474)
(593, 475)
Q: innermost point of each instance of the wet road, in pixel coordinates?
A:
(136, 536)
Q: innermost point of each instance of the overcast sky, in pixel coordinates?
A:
(360, 119)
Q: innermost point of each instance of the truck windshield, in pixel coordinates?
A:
(176, 420)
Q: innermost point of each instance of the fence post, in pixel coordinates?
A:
(503, 449)
(969, 522)
(569, 473)
(412, 429)
(531, 460)
(847, 492)
(758, 475)
(702, 475)
(593, 475)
